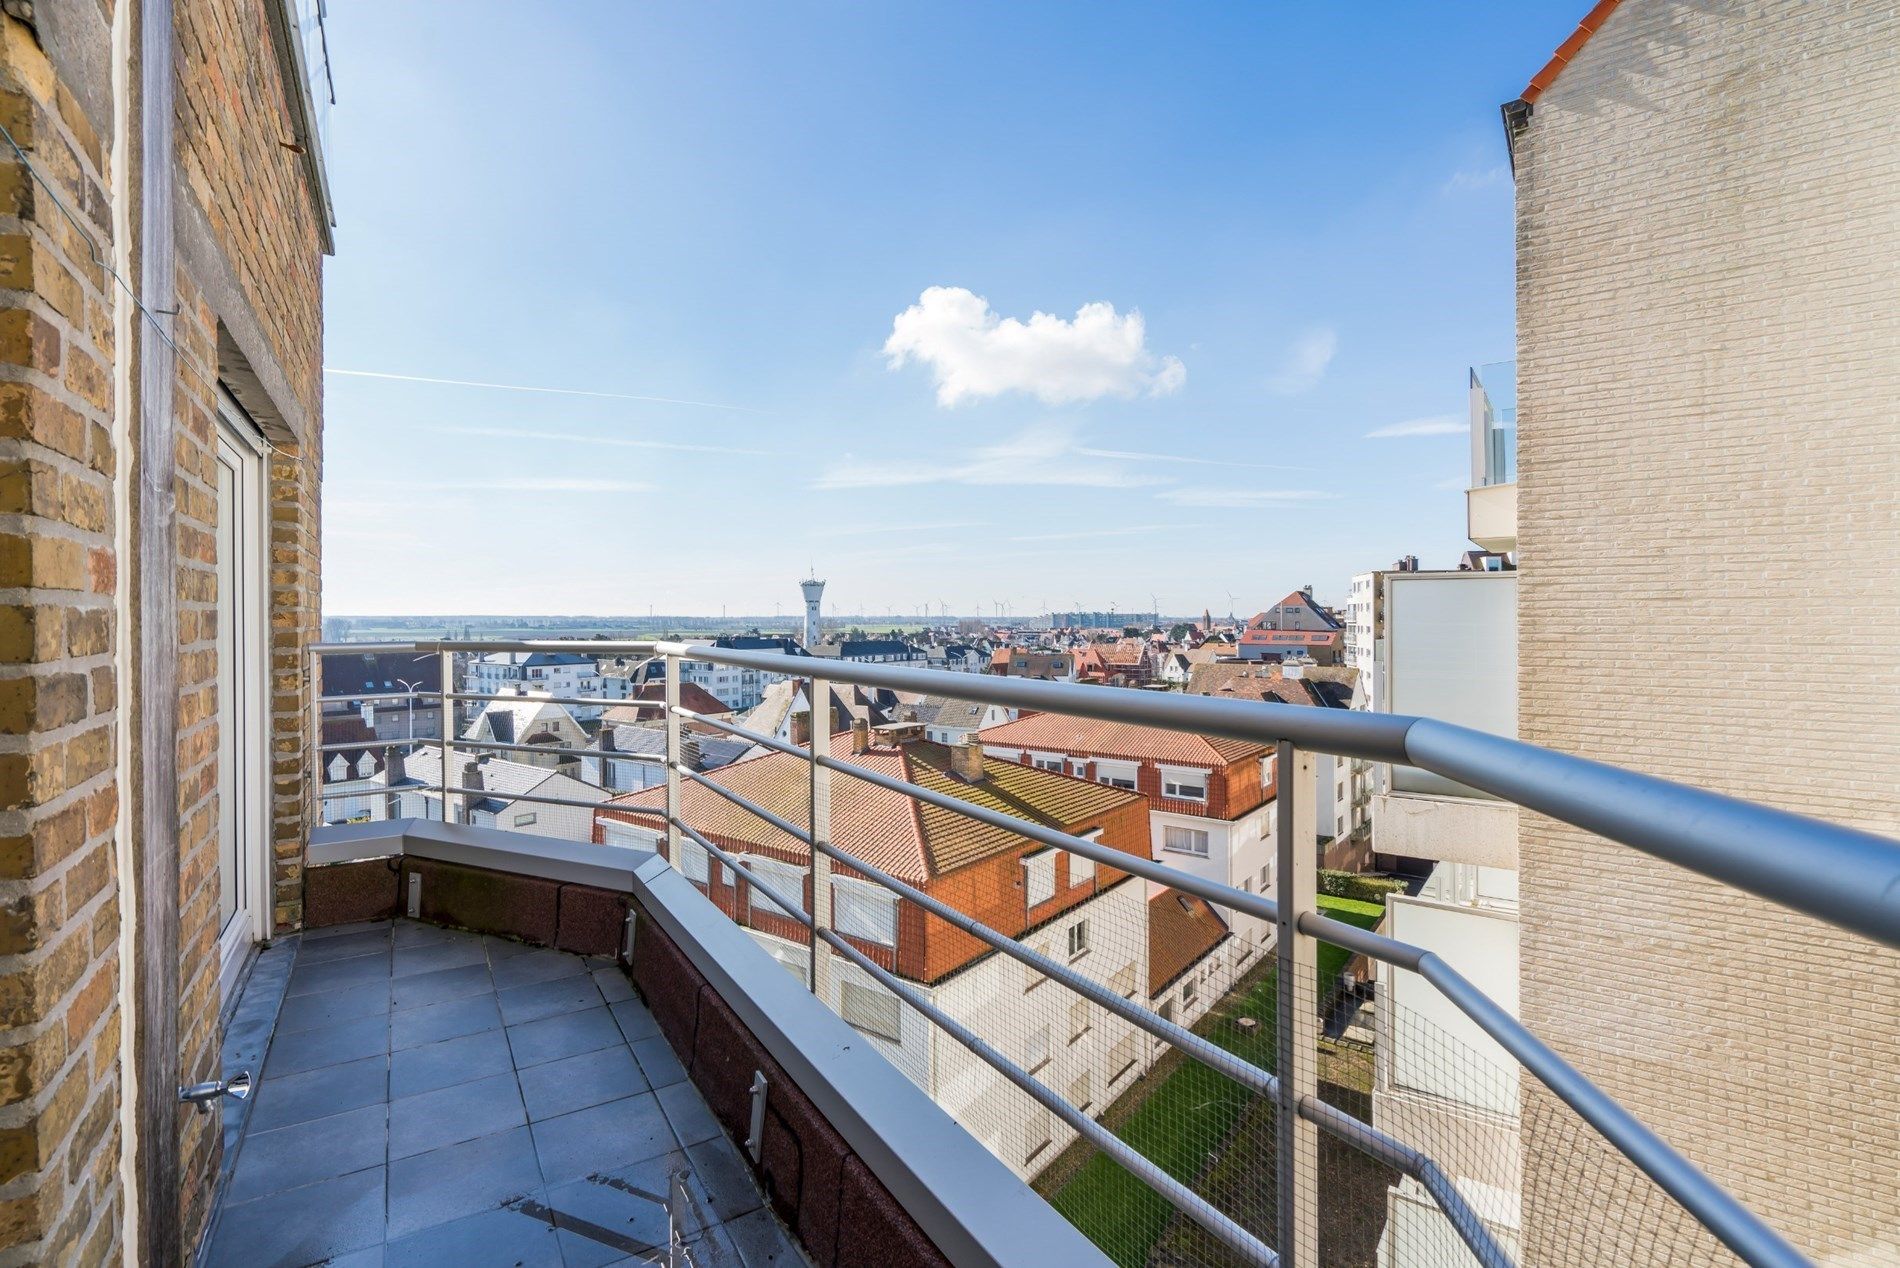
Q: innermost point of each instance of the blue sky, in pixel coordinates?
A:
(812, 239)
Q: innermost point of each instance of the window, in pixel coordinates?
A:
(1123, 983)
(864, 910)
(525, 818)
(1122, 1057)
(1036, 1133)
(1185, 785)
(1082, 1091)
(1116, 774)
(1080, 1018)
(1036, 1051)
(1078, 939)
(1180, 840)
(1039, 876)
(1031, 977)
(1266, 878)
(1187, 991)
(1081, 870)
(875, 1012)
(695, 863)
(1045, 762)
(785, 879)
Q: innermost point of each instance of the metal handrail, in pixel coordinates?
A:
(1842, 875)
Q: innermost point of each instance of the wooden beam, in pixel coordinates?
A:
(155, 562)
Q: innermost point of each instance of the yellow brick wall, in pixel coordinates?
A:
(1709, 462)
(60, 1200)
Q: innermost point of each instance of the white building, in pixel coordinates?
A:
(565, 675)
(500, 800)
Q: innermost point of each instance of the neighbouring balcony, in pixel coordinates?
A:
(865, 999)
(1491, 501)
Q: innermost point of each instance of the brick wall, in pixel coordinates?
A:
(60, 1200)
(1709, 357)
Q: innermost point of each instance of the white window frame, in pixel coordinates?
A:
(1176, 780)
(1039, 876)
(1206, 838)
(1036, 1049)
(1081, 1020)
(863, 910)
(524, 818)
(1078, 940)
(866, 996)
(787, 878)
(1117, 774)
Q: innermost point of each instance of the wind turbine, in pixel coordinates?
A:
(1230, 605)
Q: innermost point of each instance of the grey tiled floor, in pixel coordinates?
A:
(435, 1097)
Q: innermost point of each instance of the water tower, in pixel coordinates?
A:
(814, 591)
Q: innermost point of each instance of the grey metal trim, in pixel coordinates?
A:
(550, 858)
(970, 1205)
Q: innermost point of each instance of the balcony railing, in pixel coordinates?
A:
(1846, 877)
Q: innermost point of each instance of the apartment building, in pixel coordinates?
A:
(496, 793)
(162, 444)
(1210, 800)
(738, 687)
(1295, 626)
(564, 675)
(1087, 915)
(1708, 359)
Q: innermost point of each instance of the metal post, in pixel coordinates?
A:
(819, 742)
(318, 805)
(671, 689)
(450, 778)
(1297, 1024)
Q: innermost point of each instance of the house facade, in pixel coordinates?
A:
(1211, 810)
(564, 675)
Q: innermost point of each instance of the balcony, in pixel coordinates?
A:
(1491, 501)
(1037, 1044)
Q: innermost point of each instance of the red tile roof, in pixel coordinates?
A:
(692, 696)
(1181, 930)
(1053, 732)
(910, 840)
(1567, 51)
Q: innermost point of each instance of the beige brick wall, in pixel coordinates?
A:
(1709, 453)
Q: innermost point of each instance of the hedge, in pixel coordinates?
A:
(1371, 889)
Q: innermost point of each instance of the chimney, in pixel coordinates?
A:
(393, 772)
(801, 728)
(471, 774)
(860, 735)
(966, 760)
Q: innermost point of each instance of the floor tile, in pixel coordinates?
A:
(606, 1217)
(368, 1257)
(518, 1235)
(333, 1045)
(636, 1023)
(565, 1036)
(687, 1114)
(546, 999)
(763, 1242)
(335, 975)
(415, 1026)
(309, 1012)
(433, 957)
(341, 931)
(722, 1169)
(658, 1062)
(450, 1115)
(535, 965)
(270, 1161)
(613, 984)
(500, 949)
(411, 933)
(438, 1065)
(302, 1226)
(438, 987)
(714, 1249)
(323, 950)
(603, 1138)
(575, 1083)
(299, 1098)
(447, 1184)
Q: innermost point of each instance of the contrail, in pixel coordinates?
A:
(552, 391)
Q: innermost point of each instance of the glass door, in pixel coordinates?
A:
(243, 822)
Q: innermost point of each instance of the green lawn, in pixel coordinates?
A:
(1184, 1120)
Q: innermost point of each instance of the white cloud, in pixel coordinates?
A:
(973, 352)
(1477, 178)
(579, 438)
(1244, 498)
(1306, 361)
(1435, 425)
(1044, 454)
